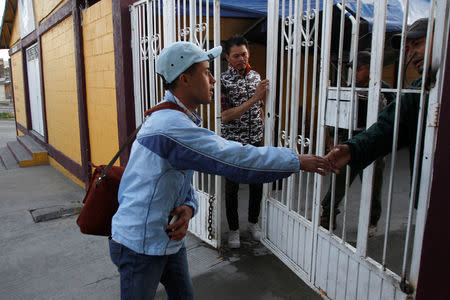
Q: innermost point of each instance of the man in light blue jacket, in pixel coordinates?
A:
(156, 183)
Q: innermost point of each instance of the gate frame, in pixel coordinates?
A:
(378, 38)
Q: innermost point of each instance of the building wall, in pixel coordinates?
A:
(100, 81)
(44, 9)
(59, 77)
(18, 86)
(15, 32)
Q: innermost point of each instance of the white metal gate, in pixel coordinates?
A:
(156, 24)
(34, 88)
(309, 73)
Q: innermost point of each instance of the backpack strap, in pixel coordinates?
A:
(163, 105)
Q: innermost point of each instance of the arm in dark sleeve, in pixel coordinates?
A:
(376, 141)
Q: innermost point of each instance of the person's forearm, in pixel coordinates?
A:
(235, 112)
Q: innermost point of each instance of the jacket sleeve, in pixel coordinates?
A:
(377, 140)
(192, 200)
(188, 147)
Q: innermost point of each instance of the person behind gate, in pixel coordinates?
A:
(156, 184)
(361, 81)
(242, 121)
(376, 141)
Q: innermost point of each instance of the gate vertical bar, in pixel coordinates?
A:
(218, 118)
(169, 22)
(395, 137)
(376, 69)
(294, 95)
(150, 54)
(271, 74)
(422, 108)
(136, 73)
(354, 48)
(338, 96)
(192, 17)
(324, 75)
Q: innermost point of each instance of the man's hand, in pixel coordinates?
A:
(261, 90)
(180, 227)
(313, 163)
(338, 157)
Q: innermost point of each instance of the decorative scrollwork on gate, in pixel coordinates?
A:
(301, 140)
(155, 45)
(143, 45)
(285, 139)
(199, 28)
(288, 30)
(307, 16)
(184, 33)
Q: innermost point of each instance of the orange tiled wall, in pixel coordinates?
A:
(58, 64)
(100, 81)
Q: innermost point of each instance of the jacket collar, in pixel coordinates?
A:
(194, 116)
(235, 71)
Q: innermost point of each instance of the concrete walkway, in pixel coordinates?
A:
(53, 260)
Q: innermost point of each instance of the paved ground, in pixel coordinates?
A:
(7, 131)
(52, 260)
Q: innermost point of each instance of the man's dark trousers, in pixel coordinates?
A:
(231, 199)
(340, 192)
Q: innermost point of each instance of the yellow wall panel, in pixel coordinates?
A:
(15, 32)
(100, 81)
(58, 63)
(44, 9)
(19, 91)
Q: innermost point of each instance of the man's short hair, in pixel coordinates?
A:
(170, 86)
(236, 40)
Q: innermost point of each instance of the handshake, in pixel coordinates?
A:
(338, 157)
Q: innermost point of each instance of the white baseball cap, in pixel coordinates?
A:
(178, 57)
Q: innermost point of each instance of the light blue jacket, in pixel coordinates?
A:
(157, 179)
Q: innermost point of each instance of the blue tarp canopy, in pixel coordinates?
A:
(258, 9)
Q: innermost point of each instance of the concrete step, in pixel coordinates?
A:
(34, 148)
(7, 160)
(19, 152)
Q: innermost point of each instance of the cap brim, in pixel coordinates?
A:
(416, 34)
(210, 54)
(397, 38)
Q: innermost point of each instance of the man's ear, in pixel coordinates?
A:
(184, 79)
(227, 57)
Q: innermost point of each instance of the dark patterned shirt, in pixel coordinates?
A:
(237, 89)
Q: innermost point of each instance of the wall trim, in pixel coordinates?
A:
(123, 72)
(12, 91)
(26, 91)
(61, 14)
(81, 91)
(65, 161)
(44, 105)
(29, 39)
